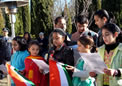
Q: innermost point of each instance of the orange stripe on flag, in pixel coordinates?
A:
(16, 78)
(54, 74)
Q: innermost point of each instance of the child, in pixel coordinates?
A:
(61, 52)
(101, 18)
(17, 59)
(32, 71)
(111, 52)
(81, 72)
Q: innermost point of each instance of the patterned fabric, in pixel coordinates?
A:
(107, 60)
(116, 63)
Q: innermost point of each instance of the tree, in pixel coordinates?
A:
(68, 18)
(22, 21)
(41, 16)
(2, 25)
(98, 4)
(115, 8)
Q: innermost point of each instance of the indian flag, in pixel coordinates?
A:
(58, 74)
(18, 79)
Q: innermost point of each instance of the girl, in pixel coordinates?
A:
(101, 18)
(61, 52)
(111, 52)
(81, 72)
(17, 59)
(27, 37)
(32, 71)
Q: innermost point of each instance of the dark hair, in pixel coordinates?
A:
(86, 40)
(22, 42)
(113, 28)
(29, 37)
(103, 13)
(34, 42)
(60, 31)
(82, 19)
(57, 19)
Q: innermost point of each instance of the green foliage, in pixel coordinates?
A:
(69, 21)
(1, 21)
(98, 4)
(41, 19)
(114, 7)
(22, 20)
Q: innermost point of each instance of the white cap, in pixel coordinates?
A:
(41, 33)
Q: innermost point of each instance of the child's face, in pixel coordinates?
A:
(81, 47)
(98, 21)
(34, 50)
(81, 27)
(108, 37)
(26, 36)
(58, 39)
(15, 45)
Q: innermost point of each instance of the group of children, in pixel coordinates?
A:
(110, 50)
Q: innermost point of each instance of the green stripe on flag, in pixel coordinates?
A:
(25, 79)
(67, 75)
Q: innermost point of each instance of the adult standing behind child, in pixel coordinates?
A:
(111, 53)
(81, 71)
(32, 71)
(43, 42)
(17, 59)
(82, 28)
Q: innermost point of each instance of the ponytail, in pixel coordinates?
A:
(103, 13)
(119, 38)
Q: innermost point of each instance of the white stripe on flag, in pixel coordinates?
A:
(27, 84)
(63, 77)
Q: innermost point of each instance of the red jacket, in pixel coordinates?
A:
(32, 71)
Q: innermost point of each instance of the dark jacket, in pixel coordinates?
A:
(64, 55)
(99, 41)
(5, 50)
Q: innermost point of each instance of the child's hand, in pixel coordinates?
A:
(92, 74)
(41, 70)
(70, 68)
(51, 58)
(109, 72)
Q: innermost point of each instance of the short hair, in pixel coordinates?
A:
(82, 19)
(57, 19)
(34, 42)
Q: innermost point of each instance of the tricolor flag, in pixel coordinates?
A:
(58, 75)
(18, 79)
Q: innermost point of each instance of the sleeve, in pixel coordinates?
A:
(120, 71)
(81, 73)
(68, 57)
